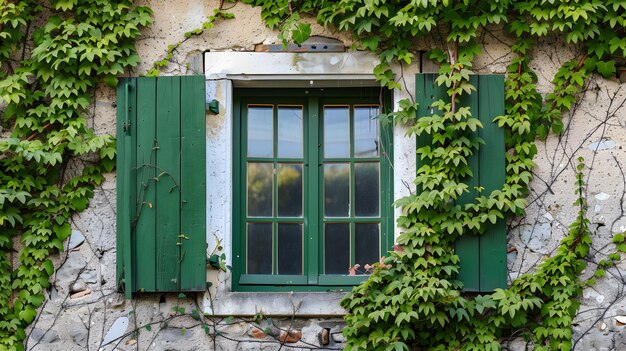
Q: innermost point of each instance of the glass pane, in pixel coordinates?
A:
(336, 131)
(337, 248)
(366, 189)
(289, 190)
(260, 180)
(336, 190)
(289, 248)
(366, 244)
(259, 248)
(260, 132)
(365, 131)
(290, 131)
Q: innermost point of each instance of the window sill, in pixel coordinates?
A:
(301, 304)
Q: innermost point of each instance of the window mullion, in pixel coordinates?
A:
(352, 189)
(312, 194)
(275, 191)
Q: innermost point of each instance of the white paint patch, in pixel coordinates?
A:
(548, 216)
(592, 294)
(117, 329)
(76, 239)
(602, 196)
(603, 144)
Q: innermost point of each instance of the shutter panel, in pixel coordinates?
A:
(483, 258)
(161, 184)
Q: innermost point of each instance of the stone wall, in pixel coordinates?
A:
(83, 310)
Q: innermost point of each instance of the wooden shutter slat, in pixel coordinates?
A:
(124, 197)
(145, 233)
(168, 183)
(468, 246)
(492, 176)
(193, 181)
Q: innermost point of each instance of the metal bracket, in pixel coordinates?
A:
(213, 106)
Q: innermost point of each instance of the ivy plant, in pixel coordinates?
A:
(51, 159)
(412, 299)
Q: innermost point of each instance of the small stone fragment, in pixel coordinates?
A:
(603, 326)
(603, 144)
(257, 333)
(621, 320)
(131, 342)
(76, 239)
(324, 336)
(291, 337)
(117, 330)
(80, 294)
(338, 337)
(602, 196)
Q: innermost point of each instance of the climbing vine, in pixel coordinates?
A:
(412, 299)
(51, 158)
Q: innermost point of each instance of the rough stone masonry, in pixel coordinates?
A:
(83, 310)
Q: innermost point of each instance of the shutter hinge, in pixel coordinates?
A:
(213, 106)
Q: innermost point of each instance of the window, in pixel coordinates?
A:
(312, 187)
(482, 258)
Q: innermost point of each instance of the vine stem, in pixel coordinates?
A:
(36, 134)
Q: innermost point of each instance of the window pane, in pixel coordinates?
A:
(336, 131)
(290, 131)
(260, 132)
(365, 131)
(336, 190)
(259, 248)
(366, 189)
(289, 190)
(366, 243)
(336, 248)
(289, 248)
(260, 180)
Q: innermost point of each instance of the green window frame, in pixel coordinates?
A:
(267, 159)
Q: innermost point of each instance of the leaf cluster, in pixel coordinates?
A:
(46, 94)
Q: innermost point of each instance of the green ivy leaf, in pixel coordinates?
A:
(301, 33)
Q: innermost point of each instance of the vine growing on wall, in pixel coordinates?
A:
(412, 299)
(53, 55)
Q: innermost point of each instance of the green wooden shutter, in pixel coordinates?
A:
(161, 184)
(483, 258)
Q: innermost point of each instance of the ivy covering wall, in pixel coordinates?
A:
(53, 56)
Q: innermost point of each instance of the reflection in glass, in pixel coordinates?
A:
(336, 248)
(289, 190)
(365, 131)
(336, 131)
(336, 190)
(289, 248)
(290, 131)
(260, 132)
(366, 189)
(366, 241)
(259, 248)
(260, 180)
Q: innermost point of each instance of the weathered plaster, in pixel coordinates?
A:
(83, 304)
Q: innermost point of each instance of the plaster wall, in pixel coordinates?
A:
(84, 311)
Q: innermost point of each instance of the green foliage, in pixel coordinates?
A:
(412, 299)
(47, 94)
